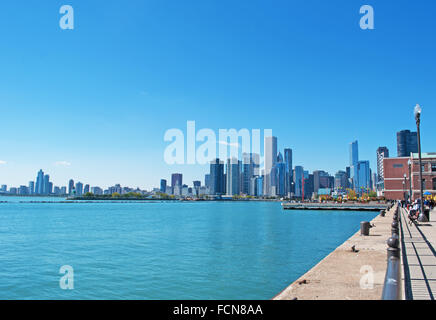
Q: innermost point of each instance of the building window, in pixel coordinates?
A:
(434, 183)
(433, 167)
(398, 165)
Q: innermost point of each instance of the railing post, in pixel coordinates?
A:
(392, 284)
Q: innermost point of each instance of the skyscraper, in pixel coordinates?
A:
(341, 180)
(79, 188)
(233, 177)
(46, 184)
(176, 179)
(320, 180)
(298, 180)
(382, 153)
(163, 185)
(270, 154)
(280, 171)
(31, 187)
(364, 178)
(217, 178)
(288, 168)
(407, 142)
(354, 160)
(39, 189)
(354, 153)
(86, 189)
(71, 186)
(207, 180)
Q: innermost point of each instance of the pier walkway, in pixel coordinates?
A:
(341, 275)
(418, 243)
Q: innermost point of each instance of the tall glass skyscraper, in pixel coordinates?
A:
(354, 153)
(364, 177)
(407, 142)
(270, 154)
(382, 153)
(39, 188)
(233, 177)
(217, 178)
(298, 180)
(280, 171)
(288, 169)
(176, 179)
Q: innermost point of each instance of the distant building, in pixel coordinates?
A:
(163, 185)
(233, 177)
(341, 181)
(96, 191)
(320, 180)
(382, 153)
(46, 185)
(79, 188)
(217, 178)
(407, 143)
(398, 181)
(23, 190)
(280, 181)
(298, 181)
(39, 188)
(86, 189)
(354, 153)
(31, 187)
(364, 176)
(176, 179)
(288, 170)
(354, 160)
(308, 185)
(64, 190)
(71, 187)
(270, 159)
(207, 180)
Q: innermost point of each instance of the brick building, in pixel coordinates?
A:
(397, 176)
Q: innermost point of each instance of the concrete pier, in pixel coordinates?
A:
(343, 274)
(335, 206)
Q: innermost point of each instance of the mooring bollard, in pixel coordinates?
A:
(382, 213)
(364, 228)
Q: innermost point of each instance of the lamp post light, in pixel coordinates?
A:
(410, 179)
(417, 112)
(404, 187)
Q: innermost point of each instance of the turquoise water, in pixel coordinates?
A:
(173, 250)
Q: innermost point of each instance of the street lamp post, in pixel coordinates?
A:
(404, 187)
(410, 179)
(418, 110)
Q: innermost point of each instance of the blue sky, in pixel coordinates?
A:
(94, 103)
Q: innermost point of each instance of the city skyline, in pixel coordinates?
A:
(127, 77)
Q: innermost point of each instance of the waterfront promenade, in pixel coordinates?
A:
(339, 275)
(418, 243)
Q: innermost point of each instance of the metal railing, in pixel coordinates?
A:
(392, 284)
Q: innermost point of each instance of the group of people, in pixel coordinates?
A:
(414, 207)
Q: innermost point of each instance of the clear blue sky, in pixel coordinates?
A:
(100, 97)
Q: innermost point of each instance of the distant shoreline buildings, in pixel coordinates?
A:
(234, 178)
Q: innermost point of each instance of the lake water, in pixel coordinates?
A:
(162, 250)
